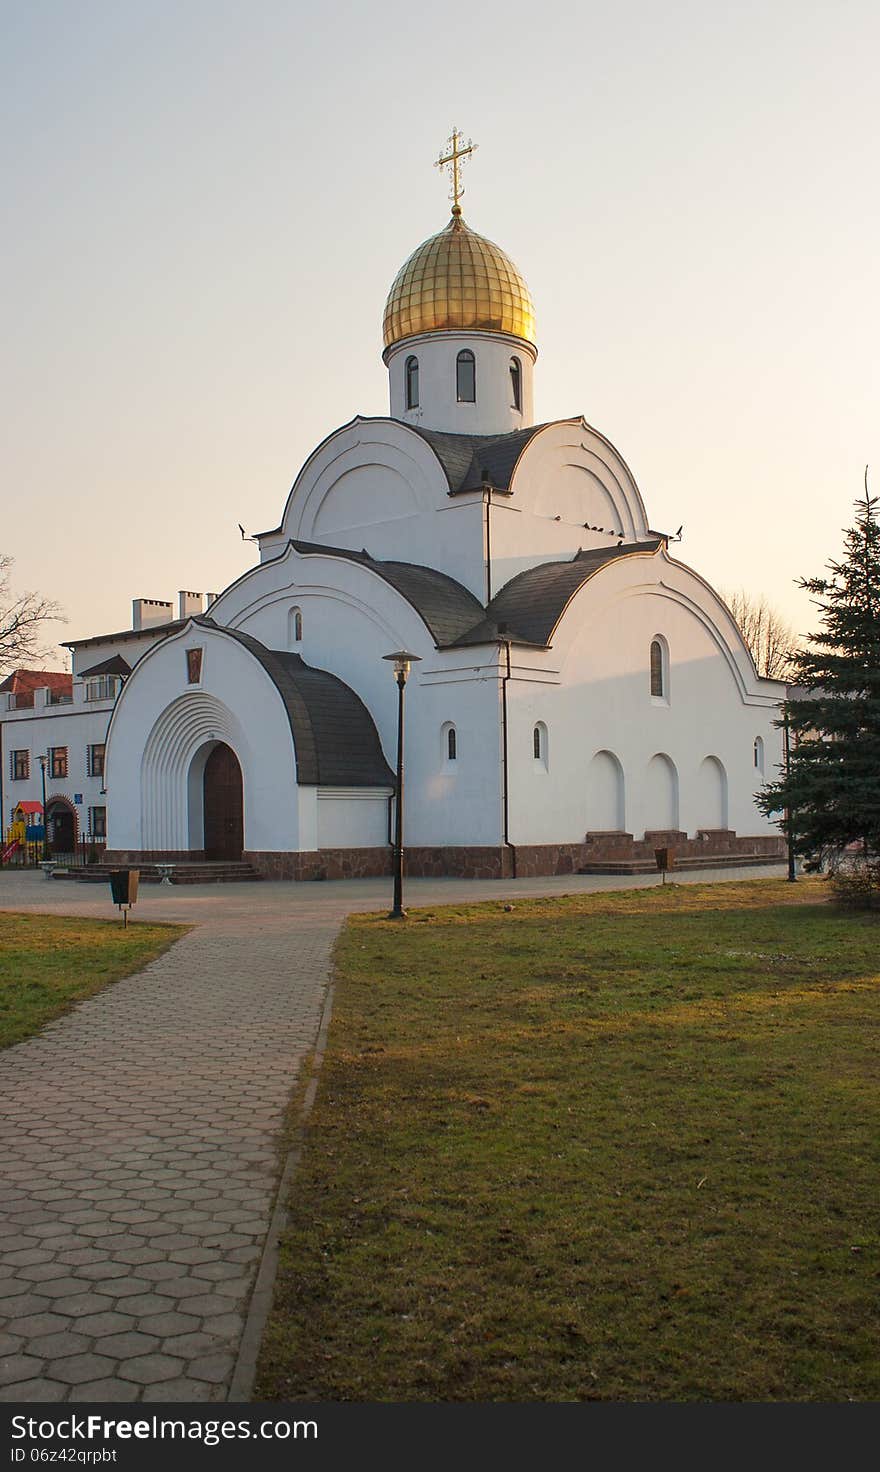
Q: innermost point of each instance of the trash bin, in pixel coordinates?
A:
(124, 886)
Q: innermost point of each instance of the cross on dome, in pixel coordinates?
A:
(453, 159)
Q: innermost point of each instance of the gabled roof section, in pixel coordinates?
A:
(153, 631)
(529, 607)
(471, 461)
(335, 740)
(446, 608)
(24, 682)
(115, 665)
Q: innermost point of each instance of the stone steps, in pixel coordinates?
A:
(205, 872)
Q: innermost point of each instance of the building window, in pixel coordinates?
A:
(103, 687)
(539, 744)
(412, 383)
(466, 377)
(515, 383)
(451, 745)
(294, 627)
(58, 761)
(759, 754)
(95, 765)
(659, 682)
(20, 764)
(98, 822)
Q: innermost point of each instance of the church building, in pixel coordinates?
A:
(577, 695)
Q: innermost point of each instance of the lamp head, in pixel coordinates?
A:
(401, 660)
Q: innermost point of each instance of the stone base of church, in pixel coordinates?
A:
(605, 852)
(322, 863)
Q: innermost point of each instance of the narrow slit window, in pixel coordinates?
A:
(759, 754)
(466, 377)
(451, 745)
(537, 744)
(412, 383)
(657, 672)
(515, 383)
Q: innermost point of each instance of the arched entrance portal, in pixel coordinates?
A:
(61, 821)
(224, 808)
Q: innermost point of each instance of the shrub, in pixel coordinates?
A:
(858, 885)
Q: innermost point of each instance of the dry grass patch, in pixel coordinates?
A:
(617, 1146)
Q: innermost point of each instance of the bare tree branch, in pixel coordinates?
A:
(771, 641)
(23, 621)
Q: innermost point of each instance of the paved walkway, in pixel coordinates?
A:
(139, 1133)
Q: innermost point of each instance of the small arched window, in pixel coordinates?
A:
(412, 383)
(451, 744)
(294, 626)
(515, 383)
(539, 744)
(466, 377)
(759, 754)
(658, 670)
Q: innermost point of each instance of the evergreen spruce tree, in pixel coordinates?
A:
(831, 792)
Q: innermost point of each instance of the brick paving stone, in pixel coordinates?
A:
(17, 1367)
(184, 1390)
(100, 1390)
(152, 1369)
(36, 1389)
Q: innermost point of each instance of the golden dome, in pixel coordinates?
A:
(458, 282)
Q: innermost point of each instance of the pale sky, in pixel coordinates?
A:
(206, 203)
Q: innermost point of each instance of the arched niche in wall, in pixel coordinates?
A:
(606, 797)
(711, 794)
(661, 793)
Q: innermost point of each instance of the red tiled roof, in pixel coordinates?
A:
(28, 807)
(21, 682)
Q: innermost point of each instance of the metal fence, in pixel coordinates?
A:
(28, 853)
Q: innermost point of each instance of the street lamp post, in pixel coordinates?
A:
(789, 836)
(401, 661)
(45, 821)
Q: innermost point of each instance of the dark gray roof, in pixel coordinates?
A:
(529, 607)
(115, 665)
(446, 608)
(471, 461)
(335, 740)
(526, 611)
(124, 635)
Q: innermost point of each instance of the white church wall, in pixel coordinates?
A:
(454, 802)
(569, 479)
(375, 485)
(684, 760)
(492, 411)
(352, 618)
(161, 733)
(351, 817)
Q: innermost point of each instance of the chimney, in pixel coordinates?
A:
(189, 604)
(147, 613)
(209, 599)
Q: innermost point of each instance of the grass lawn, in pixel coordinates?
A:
(48, 962)
(615, 1147)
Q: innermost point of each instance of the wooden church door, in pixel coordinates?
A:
(224, 808)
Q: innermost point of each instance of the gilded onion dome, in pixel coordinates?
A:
(457, 281)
